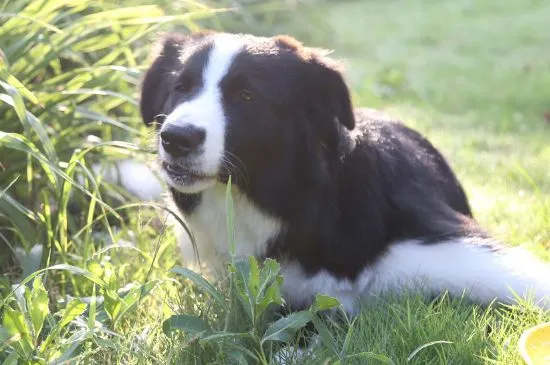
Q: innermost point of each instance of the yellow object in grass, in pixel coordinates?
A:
(534, 345)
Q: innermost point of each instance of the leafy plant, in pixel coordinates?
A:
(250, 329)
(30, 333)
(252, 326)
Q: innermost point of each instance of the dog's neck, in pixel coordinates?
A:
(207, 214)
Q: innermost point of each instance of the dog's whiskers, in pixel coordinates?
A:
(232, 167)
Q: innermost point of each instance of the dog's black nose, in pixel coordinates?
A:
(179, 141)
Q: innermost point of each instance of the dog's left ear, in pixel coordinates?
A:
(329, 88)
(323, 82)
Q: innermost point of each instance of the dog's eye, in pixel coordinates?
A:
(184, 85)
(246, 95)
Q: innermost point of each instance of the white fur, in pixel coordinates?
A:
(459, 266)
(464, 264)
(299, 289)
(294, 354)
(146, 186)
(208, 222)
(206, 111)
(136, 177)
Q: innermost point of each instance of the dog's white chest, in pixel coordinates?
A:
(252, 228)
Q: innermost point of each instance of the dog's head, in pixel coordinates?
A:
(243, 105)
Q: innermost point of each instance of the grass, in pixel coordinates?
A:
(473, 77)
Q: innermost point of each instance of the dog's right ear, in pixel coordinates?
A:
(167, 64)
(158, 79)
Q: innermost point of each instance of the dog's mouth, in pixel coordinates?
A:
(184, 174)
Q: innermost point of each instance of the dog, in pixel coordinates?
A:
(351, 202)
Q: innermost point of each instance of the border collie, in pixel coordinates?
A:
(350, 202)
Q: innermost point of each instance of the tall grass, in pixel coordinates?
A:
(70, 70)
(79, 260)
(68, 78)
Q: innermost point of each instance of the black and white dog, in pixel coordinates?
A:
(350, 202)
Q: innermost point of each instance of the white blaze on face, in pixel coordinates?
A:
(206, 109)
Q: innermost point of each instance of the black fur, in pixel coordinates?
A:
(185, 202)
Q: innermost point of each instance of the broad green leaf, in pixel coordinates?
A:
(14, 323)
(38, 305)
(286, 327)
(269, 272)
(189, 324)
(74, 308)
(201, 282)
(130, 300)
(253, 277)
(269, 291)
(241, 269)
(272, 296)
(324, 302)
(112, 304)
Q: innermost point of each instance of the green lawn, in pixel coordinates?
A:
(472, 76)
